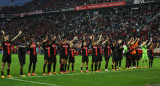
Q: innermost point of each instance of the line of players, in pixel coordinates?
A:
(67, 49)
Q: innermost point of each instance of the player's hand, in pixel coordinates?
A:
(90, 37)
(101, 36)
(75, 37)
(2, 31)
(20, 32)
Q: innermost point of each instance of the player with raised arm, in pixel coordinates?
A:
(22, 47)
(33, 56)
(6, 44)
(107, 52)
(84, 48)
(95, 57)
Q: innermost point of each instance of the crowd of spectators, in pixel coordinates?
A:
(118, 22)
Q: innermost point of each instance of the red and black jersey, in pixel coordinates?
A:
(85, 51)
(94, 50)
(71, 52)
(46, 48)
(33, 49)
(53, 48)
(99, 49)
(6, 47)
(64, 49)
(107, 50)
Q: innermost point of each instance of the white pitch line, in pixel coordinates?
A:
(32, 82)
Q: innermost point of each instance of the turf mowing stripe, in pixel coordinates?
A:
(32, 82)
(82, 73)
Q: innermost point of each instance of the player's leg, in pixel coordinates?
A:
(44, 66)
(49, 67)
(87, 66)
(8, 70)
(2, 70)
(82, 66)
(65, 65)
(68, 66)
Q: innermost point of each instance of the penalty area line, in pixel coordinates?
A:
(40, 83)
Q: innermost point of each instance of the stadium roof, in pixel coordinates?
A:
(15, 2)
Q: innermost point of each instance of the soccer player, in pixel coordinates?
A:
(150, 54)
(47, 56)
(107, 52)
(95, 53)
(71, 56)
(22, 54)
(128, 60)
(120, 52)
(33, 56)
(144, 53)
(6, 44)
(85, 53)
(133, 47)
(53, 48)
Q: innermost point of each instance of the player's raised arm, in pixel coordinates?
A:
(143, 43)
(149, 42)
(129, 42)
(20, 32)
(73, 40)
(3, 34)
(157, 45)
(99, 39)
(105, 41)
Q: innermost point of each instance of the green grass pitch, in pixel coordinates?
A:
(134, 77)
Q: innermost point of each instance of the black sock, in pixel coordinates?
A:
(120, 63)
(30, 67)
(99, 66)
(49, 68)
(115, 66)
(91, 67)
(44, 67)
(68, 67)
(151, 63)
(137, 64)
(72, 67)
(54, 67)
(8, 71)
(21, 70)
(34, 66)
(2, 72)
(81, 68)
(95, 67)
(106, 66)
(65, 67)
(86, 68)
(112, 66)
(62, 67)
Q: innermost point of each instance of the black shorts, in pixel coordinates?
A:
(114, 59)
(33, 58)
(53, 58)
(94, 58)
(137, 57)
(71, 59)
(6, 58)
(120, 57)
(85, 59)
(47, 58)
(107, 57)
(99, 57)
(151, 57)
(127, 57)
(22, 58)
(64, 57)
(133, 57)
